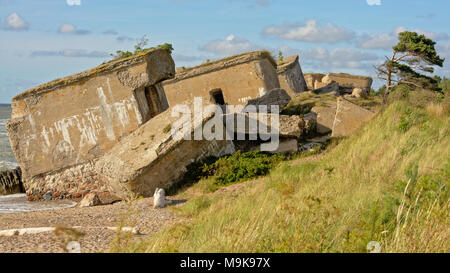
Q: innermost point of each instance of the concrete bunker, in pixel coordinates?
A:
(59, 129)
(239, 78)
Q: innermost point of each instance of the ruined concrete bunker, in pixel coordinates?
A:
(58, 129)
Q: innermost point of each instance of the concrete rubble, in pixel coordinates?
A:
(110, 132)
(162, 158)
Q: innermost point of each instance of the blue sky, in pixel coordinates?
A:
(41, 40)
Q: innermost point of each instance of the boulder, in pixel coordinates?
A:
(274, 97)
(90, 200)
(309, 147)
(349, 117)
(327, 80)
(358, 93)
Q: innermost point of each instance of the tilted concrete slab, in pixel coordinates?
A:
(349, 117)
(290, 75)
(151, 157)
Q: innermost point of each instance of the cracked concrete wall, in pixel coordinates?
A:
(72, 121)
(239, 83)
(290, 76)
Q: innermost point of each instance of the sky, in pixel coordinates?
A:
(41, 40)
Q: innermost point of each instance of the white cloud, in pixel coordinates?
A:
(376, 41)
(443, 49)
(15, 22)
(374, 2)
(71, 29)
(388, 40)
(311, 31)
(230, 46)
(320, 58)
(73, 2)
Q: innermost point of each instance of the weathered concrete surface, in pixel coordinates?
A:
(240, 78)
(324, 116)
(11, 182)
(70, 122)
(349, 82)
(288, 126)
(324, 88)
(287, 146)
(358, 93)
(290, 75)
(312, 78)
(151, 157)
(349, 117)
(278, 97)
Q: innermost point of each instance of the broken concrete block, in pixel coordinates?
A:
(233, 80)
(311, 78)
(290, 76)
(331, 88)
(288, 126)
(349, 117)
(325, 117)
(347, 81)
(68, 123)
(358, 93)
(277, 97)
(156, 155)
(327, 80)
(90, 200)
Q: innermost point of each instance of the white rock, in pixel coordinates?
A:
(90, 200)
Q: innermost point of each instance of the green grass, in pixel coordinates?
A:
(212, 173)
(389, 183)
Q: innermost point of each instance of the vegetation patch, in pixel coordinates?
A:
(213, 173)
(389, 183)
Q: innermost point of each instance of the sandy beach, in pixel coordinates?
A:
(92, 221)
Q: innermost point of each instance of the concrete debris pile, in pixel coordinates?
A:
(339, 84)
(111, 130)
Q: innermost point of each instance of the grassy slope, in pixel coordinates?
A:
(353, 194)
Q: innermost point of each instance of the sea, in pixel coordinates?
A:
(7, 159)
(15, 203)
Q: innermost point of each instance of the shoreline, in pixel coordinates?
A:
(95, 222)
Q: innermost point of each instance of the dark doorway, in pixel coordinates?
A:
(217, 96)
(149, 102)
(153, 101)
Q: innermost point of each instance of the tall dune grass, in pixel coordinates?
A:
(388, 183)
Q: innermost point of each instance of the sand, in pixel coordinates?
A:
(93, 221)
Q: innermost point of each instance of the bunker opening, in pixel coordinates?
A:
(151, 102)
(217, 97)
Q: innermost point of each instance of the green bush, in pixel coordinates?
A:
(139, 48)
(229, 169)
